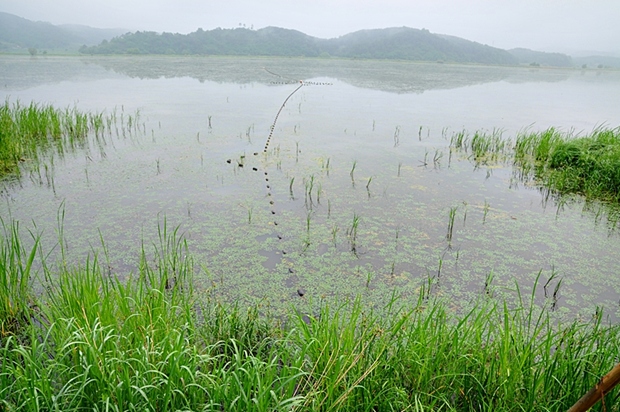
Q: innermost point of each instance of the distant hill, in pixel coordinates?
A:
(19, 34)
(536, 58)
(392, 43)
(413, 44)
(91, 36)
(270, 41)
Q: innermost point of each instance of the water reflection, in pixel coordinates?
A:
(406, 185)
(390, 76)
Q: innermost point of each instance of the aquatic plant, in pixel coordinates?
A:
(485, 211)
(290, 187)
(150, 341)
(28, 134)
(353, 166)
(368, 183)
(451, 217)
(352, 232)
(587, 165)
(483, 147)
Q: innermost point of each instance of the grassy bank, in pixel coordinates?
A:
(95, 340)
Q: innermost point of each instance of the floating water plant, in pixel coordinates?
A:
(120, 336)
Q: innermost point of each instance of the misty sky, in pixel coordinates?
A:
(547, 25)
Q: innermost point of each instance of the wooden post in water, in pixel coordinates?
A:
(606, 384)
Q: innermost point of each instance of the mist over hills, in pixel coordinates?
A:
(391, 43)
(20, 35)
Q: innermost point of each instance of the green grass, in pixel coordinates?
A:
(28, 133)
(555, 160)
(588, 165)
(483, 147)
(148, 341)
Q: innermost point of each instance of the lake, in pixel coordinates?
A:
(356, 193)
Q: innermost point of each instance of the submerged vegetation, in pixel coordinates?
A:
(93, 340)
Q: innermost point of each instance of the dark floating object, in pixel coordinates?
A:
(268, 187)
(290, 270)
(271, 202)
(240, 164)
(229, 160)
(280, 237)
(255, 153)
(273, 212)
(275, 223)
(265, 173)
(301, 292)
(255, 169)
(266, 180)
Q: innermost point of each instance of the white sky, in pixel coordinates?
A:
(547, 25)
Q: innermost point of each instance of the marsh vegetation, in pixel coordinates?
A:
(148, 341)
(335, 256)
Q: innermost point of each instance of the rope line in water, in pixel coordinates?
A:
(273, 125)
(301, 83)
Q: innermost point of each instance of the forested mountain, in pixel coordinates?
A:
(413, 44)
(19, 34)
(393, 43)
(270, 41)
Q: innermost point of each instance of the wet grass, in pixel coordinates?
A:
(482, 147)
(588, 165)
(93, 340)
(28, 133)
(557, 161)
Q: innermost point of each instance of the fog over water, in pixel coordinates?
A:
(570, 26)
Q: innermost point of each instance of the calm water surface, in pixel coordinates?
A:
(361, 182)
